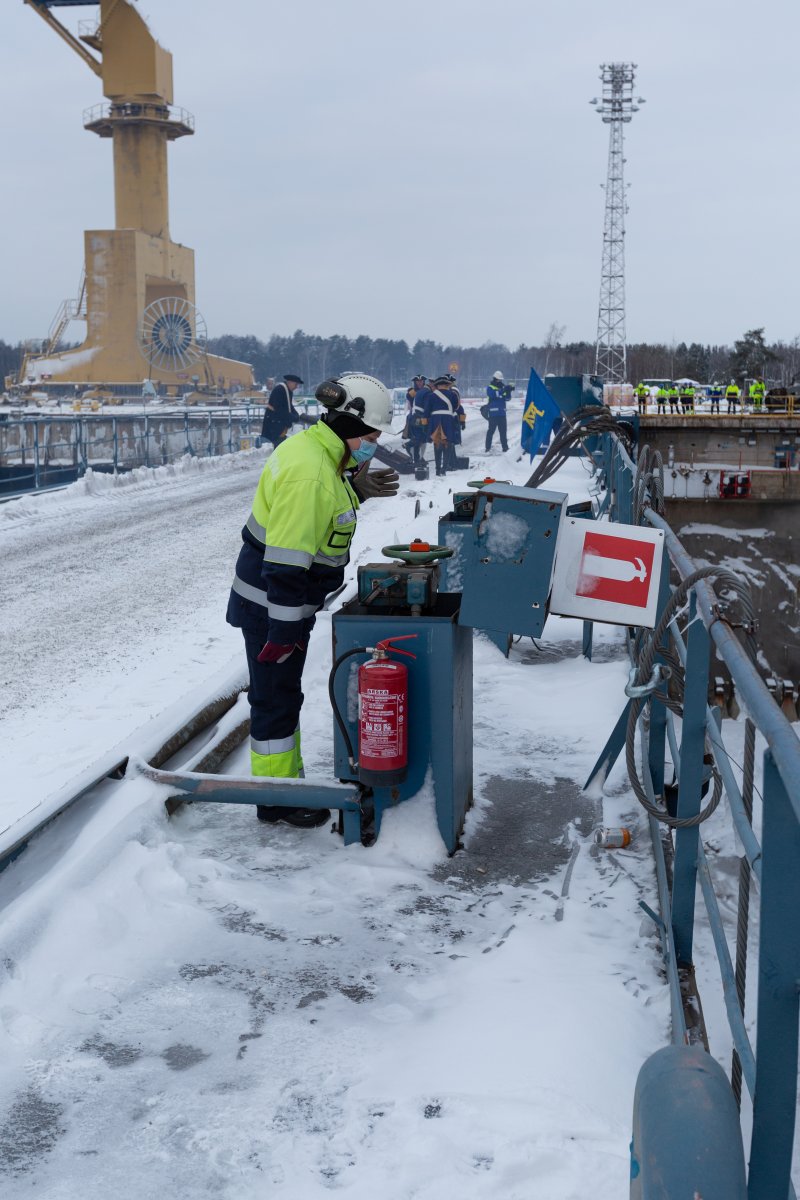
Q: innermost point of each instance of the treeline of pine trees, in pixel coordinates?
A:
(395, 361)
(316, 358)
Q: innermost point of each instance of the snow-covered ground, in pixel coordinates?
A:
(110, 596)
(209, 1007)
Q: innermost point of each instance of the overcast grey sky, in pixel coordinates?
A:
(431, 168)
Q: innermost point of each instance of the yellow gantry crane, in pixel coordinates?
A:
(138, 293)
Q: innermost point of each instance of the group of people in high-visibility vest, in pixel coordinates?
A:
(681, 398)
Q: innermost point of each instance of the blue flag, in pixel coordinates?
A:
(538, 416)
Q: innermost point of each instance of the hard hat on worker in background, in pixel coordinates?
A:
(498, 375)
(360, 401)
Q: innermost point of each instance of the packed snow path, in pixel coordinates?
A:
(211, 1007)
(112, 601)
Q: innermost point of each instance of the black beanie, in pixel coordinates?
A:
(346, 425)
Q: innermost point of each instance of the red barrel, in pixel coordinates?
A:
(382, 721)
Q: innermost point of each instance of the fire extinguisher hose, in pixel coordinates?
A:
(340, 721)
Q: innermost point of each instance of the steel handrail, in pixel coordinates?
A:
(154, 437)
(634, 495)
(750, 687)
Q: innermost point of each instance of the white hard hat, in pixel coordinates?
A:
(362, 397)
(498, 375)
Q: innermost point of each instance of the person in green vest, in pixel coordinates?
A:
(642, 393)
(661, 398)
(687, 398)
(295, 548)
(715, 393)
(674, 397)
(757, 390)
(732, 396)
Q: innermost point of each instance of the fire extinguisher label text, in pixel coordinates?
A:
(382, 720)
(382, 717)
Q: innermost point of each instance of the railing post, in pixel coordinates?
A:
(690, 782)
(658, 712)
(625, 501)
(37, 481)
(775, 1098)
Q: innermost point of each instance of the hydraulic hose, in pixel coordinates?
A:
(589, 421)
(340, 721)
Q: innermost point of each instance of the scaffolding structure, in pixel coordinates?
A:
(616, 109)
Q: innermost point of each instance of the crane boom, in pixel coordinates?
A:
(42, 7)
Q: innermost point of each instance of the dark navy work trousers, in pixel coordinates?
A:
(497, 421)
(275, 695)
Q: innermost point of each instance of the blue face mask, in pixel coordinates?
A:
(365, 451)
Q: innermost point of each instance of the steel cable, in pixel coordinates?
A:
(648, 648)
(589, 421)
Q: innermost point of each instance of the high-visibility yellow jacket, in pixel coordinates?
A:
(732, 392)
(297, 537)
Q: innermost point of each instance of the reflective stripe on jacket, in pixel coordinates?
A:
(297, 537)
(303, 510)
(498, 398)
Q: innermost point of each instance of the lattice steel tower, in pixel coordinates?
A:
(616, 108)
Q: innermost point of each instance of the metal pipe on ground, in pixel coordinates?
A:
(115, 766)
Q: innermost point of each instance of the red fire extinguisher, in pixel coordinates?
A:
(383, 716)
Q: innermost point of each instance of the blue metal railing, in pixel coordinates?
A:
(50, 451)
(698, 753)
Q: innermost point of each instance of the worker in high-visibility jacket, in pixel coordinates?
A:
(498, 394)
(757, 392)
(732, 396)
(674, 397)
(662, 396)
(296, 544)
(642, 393)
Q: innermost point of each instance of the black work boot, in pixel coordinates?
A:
(302, 818)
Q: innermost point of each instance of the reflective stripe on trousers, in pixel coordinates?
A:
(280, 758)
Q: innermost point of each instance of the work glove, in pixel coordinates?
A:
(278, 652)
(383, 482)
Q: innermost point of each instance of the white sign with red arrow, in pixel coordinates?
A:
(606, 572)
